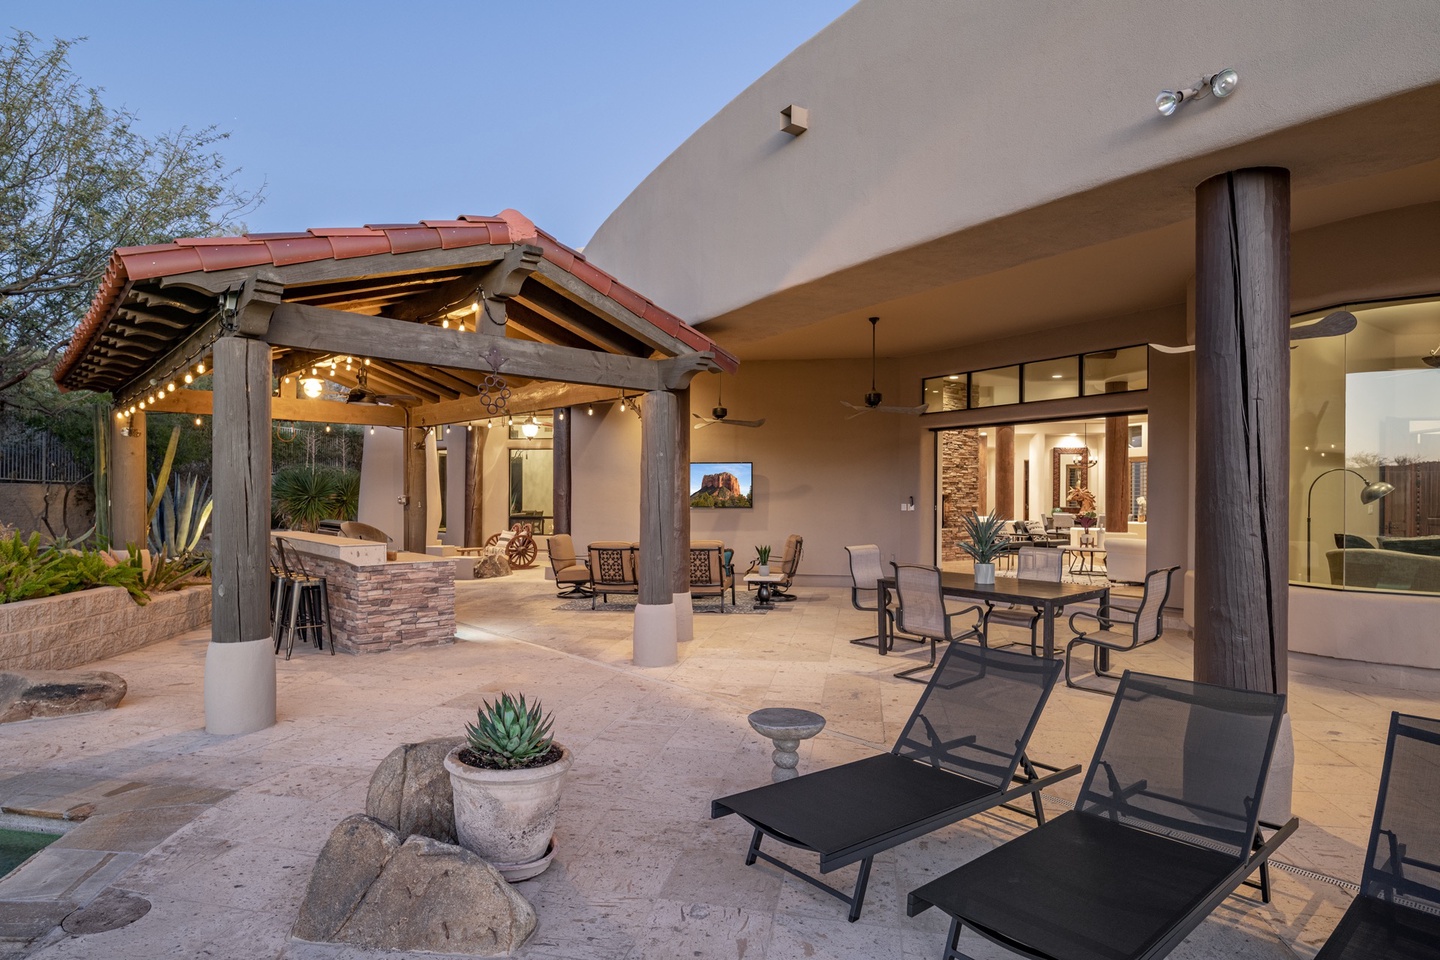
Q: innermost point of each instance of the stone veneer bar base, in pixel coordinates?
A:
(73, 629)
(398, 604)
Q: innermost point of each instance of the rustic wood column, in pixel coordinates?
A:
(474, 486)
(127, 482)
(561, 418)
(1005, 472)
(654, 641)
(414, 488)
(240, 663)
(1242, 427)
(1117, 472)
(680, 565)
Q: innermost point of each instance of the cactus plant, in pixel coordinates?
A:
(509, 734)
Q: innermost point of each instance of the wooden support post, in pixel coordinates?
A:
(1005, 471)
(680, 565)
(127, 482)
(1242, 426)
(654, 642)
(561, 419)
(1117, 471)
(414, 488)
(475, 486)
(240, 663)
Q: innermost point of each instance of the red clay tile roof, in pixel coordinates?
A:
(187, 255)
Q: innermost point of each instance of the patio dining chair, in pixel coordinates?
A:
(1165, 828)
(921, 610)
(962, 752)
(1396, 915)
(1143, 624)
(1032, 563)
(865, 573)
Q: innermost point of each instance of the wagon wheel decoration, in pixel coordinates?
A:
(521, 550)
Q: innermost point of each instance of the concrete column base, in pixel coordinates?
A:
(1275, 806)
(684, 617)
(240, 686)
(654, 639)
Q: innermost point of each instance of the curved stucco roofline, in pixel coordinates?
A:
(930, 118)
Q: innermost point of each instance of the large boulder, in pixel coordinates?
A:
(369, 889)
(32, 694)
(410, 791)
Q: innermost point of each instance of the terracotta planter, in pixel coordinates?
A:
(507, 816)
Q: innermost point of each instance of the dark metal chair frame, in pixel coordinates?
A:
(1152, 605)
(1396, 915)
(856, 590)
(909, 775)
(1028, 617)
(946, 633)
(1120, 830)
(780, 591)
(302, 603)
(601, 587)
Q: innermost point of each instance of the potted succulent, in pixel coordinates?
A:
(506, 779)
(762, 556)
(987, 541)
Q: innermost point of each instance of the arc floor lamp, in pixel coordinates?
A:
(1369, 494)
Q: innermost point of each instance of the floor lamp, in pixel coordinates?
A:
(1371, 493)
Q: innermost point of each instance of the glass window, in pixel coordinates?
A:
(1117, 371)
(1365, 452)
(995, 387)
(945, 393)
(1052, 379)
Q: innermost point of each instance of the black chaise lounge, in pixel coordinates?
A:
(957, 756)
(1165, 828)
(1397, 914)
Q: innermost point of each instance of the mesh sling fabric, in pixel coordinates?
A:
(922, 607)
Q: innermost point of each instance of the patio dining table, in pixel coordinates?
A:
(1050, 597)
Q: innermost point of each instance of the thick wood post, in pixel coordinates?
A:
(1242, 427)
(127, 482)
(654, 642)
(680, 565)
(240, 664)
(1005, 472)
(1117, 474)
(414, 488)
(561, 418)
(475, 486)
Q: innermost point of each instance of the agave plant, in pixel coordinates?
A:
(303, 497)
(509, 733)
(178, 524)
(987, 536)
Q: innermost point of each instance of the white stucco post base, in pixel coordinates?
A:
(1280, 783)
(240, 686)
(654, 635)
(684, 617)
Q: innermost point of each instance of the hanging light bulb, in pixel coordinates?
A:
(367, 361)
(312, 387)
(327, 428)
(142, 404)
(469, 428)
(372, 429)
(561, 414)
(622, 403)
(171, 387)
(509, 421)
(119, 414)
(531, 429)
(447, 429)
(445, 323)
(489, 424)
(590, 410)
(189, 378)
(200, 367)
(197, 422)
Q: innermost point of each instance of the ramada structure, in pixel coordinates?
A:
(1080, 291)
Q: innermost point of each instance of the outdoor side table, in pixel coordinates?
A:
(763, 595)
(786, 727)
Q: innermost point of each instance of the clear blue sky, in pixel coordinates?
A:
(369, 112)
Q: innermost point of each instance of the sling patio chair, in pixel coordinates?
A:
(922, 611)
(961, 753)
(1397, 913)
(1166, 827)
(1144, 624)
(865, 574)
(1033, 563)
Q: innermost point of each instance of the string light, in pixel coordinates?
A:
(197, 421)
(367, 361)
(445, 323)
(562, 414)
(200, 367)
(590, 410)
(327, 428)
(372, 429)
(189, 378)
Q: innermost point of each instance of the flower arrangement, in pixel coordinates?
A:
(1086, 520)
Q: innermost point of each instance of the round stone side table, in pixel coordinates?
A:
(786, 726)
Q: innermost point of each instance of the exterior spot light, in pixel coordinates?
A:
(531, 429)
(189, 378)
(197, 423)
(1220, 85)
(312, 387)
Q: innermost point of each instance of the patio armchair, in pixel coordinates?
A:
(962, 752)
(710, 572)
(865, 573)
(789, 563)
(1032, 563)
(612, 569)
(1144, 624)
(572, 576)
(922, 611)
(1397, 912)
(1166, 827)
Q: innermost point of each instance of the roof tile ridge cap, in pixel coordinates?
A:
(522, 228)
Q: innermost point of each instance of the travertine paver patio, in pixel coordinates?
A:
(219, 833)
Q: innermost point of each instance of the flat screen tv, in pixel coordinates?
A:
(721, 484)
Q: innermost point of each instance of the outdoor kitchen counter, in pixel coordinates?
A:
(375, 603)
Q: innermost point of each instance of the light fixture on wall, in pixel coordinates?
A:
(531, 428)
(1368, 494)
(1219, 85)
(312, 387)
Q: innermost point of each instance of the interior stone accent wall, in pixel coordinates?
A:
(55, 633)
(959, 486)
(398, 604)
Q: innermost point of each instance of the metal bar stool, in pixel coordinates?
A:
(303, 604)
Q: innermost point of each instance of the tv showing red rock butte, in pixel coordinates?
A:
(722, 485)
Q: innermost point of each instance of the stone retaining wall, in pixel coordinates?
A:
(54, 633)
(396, 604)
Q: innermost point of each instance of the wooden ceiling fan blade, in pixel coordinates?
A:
(745, 423)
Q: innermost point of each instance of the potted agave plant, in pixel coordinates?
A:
(987, 541)
(762, 556)
(506, 779)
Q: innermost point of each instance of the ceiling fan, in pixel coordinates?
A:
(360, 393)
(719, 413)
(1336, 324)
(873, 399)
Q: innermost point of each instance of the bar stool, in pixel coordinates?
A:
(302, 603)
